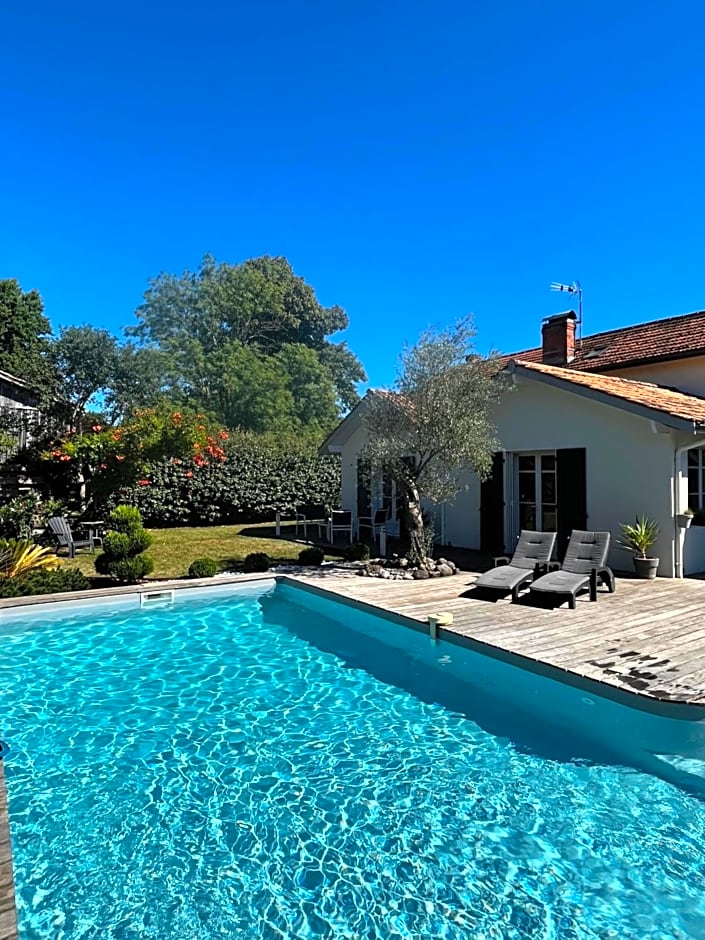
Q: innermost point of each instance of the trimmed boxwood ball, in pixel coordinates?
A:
(123, 546)
(203, 568)
(257, 561)
(311, 556)
(358, 551)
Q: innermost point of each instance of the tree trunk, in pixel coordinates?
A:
(413, 519)
(82, 487)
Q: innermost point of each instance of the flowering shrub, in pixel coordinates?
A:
(114, 457)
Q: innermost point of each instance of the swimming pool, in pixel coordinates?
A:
(277, 765)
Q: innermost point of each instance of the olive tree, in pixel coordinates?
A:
(436, 422)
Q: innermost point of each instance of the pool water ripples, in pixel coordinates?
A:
(230, 770)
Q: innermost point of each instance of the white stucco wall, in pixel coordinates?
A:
(629, 468)
(462, 516)
(687, 375)
(348, 469)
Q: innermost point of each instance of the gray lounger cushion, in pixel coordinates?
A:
(533, 550)
(584, 562)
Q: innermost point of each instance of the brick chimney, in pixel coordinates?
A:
(558, 339)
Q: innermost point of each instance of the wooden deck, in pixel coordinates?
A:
(8, 916)
(647, 638)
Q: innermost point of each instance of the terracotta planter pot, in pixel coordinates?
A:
(646, 567)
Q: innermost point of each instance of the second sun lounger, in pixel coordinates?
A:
(584, 564)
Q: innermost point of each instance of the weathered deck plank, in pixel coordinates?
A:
(8, 914)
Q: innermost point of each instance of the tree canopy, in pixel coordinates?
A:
(24, 337)
(248, 342)
(436, 422)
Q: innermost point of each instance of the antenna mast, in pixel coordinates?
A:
(573, 288)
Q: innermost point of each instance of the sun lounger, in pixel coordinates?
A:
(583, 566)
(530, 559)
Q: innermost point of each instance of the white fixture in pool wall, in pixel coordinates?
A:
(441, 619)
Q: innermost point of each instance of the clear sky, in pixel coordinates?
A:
(414, 162)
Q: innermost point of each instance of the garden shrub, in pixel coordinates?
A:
(257, 561)
(44, 582)
(311, 556)
(123, 546)
(358, 551)
(203, 568)
(257, 479)
(22, 515)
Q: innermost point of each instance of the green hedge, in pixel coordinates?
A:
(248, 487)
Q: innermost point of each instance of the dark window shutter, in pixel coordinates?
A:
(492, 509)
(572, 494)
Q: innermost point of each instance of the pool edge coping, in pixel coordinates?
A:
(677, 709)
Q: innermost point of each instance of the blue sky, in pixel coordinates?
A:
(415, 162)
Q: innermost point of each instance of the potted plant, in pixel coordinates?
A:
(639, 537)
(685, 518)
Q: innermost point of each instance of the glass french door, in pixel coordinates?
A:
(536, 492)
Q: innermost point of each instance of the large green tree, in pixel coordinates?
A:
(86, 360)
(216, 323)
(435, 423)
(24, 337)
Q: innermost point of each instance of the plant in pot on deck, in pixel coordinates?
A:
(639, 537)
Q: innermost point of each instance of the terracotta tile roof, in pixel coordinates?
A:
(655, 397)
(672, 338)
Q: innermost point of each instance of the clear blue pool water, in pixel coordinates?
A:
(280, 767)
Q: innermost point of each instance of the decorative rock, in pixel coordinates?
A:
(435, 573)
(420, 574)
(444, 570)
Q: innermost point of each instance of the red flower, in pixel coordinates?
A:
(64, 458)
(143, 482)
(120, 457)
(97, 427)
(189, 473)
(223, 435)
(103, 466)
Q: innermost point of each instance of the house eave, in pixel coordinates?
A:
(350, 422)
(674, 422)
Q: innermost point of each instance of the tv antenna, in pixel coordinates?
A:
(573, 288)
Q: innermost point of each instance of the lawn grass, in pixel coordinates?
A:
(173, 550)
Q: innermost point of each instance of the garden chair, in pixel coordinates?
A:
(584, 564)
(530, 559)
(341, 520)
(61, 530)
(375, 523)
(311, 515)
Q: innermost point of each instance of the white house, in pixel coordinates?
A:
(595, 432)
(19, 410)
